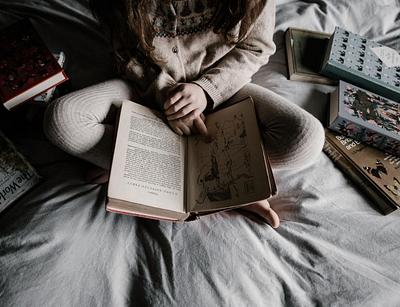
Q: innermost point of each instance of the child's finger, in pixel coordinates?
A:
(186, 109)
(176, 107)
(200, 126)
(172, 100)
(185, 129)
(192, 115)
(177, 130)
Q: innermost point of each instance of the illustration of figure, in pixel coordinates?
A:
(226, 162)
(373, 109)
(377, 170)
(211, 185)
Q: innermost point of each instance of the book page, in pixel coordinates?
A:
(230, 170)
(148, 161)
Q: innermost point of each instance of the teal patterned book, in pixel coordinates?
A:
(366, 117)
(363, 62)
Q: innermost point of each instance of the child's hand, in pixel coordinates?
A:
(187, 126)
(185, 101)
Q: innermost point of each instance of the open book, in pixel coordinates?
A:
(158, 174)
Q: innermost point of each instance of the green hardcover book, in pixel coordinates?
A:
(363, 62)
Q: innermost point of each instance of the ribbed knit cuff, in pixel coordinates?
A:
(211, 90)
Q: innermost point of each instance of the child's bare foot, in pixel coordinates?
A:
(264, 210)
(97, 175)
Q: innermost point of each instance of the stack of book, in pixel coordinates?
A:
(363, 135)
(29, 72)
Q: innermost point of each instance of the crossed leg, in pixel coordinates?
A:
(293, 138)
(82, 124)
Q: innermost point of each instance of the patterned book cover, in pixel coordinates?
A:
(382, 170)
(363, 62)
(17, 176)
(25, 63)
(366, 117)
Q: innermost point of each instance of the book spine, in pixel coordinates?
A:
(289, 54)
(358, 179)
(367, 136)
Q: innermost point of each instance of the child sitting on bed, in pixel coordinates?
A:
(187, 57)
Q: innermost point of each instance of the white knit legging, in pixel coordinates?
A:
(82, 124)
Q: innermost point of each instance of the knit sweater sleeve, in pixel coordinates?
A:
(236, 68)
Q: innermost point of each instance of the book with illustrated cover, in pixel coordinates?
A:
(47, 96)
(27, 67)
(358, 60)
(17, 176)
(376, 173)
(366, 117)
(305, 51)
(158, 174)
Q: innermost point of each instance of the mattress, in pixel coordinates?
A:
(59, 247)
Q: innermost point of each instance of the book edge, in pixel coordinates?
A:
(130, 208)
(36, 90)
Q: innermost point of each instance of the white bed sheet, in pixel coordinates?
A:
(58, 246)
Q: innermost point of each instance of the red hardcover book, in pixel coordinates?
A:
(27, 66)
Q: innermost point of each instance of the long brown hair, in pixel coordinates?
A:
(130, 29)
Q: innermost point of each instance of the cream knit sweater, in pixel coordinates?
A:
(192, 52)
(82, 122)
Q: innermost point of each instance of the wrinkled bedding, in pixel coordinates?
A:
(58, 246)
